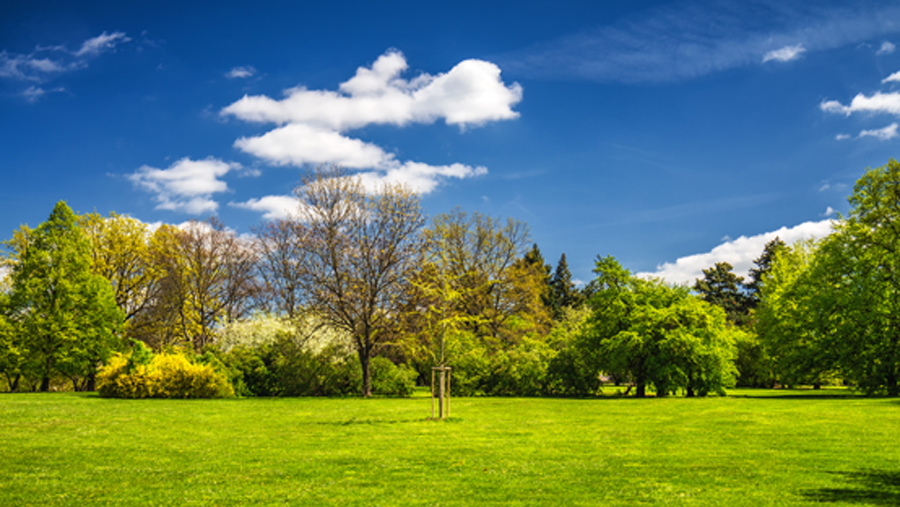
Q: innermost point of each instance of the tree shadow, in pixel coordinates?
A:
(870, 487)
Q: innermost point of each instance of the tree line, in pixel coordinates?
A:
(358, 291)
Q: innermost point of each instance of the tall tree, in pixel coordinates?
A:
(358, 252)
(280, 259)
(721, 287)
(564, 292)
(67, 314)
(763, 265)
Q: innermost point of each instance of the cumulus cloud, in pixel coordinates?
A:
(312, 125)
(886, 48)
(240, 72)
(740, 253)
(829, 211)
(187, 185)
(892, 78)
(882, 134)
(298, 144)
(784, 54)
(471, 93)
(272, 207)
(876, 103)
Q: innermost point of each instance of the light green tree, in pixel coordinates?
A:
(65, 316)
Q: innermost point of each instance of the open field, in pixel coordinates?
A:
(752, 448)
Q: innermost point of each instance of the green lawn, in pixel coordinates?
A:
(752, 448)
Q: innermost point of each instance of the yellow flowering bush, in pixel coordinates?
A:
(165, 376)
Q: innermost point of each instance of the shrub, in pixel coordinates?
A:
(167, 375)
(391, 380)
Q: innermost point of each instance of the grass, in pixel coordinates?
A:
(751, 448)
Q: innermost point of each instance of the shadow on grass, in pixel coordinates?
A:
(354, 421)
(869, 487)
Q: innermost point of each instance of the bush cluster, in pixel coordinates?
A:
(142, 374)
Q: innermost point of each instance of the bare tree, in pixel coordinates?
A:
(279, 262)
(358, 252)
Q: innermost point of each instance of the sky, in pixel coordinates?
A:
(670, 135)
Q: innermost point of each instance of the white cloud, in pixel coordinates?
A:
(299, 144)
(471, 93)
(740, 253)
(877, 103)
(893, 77)
(273, 207)
(187, 185)
(886, 48)
(240, 72)
(785, 54)
(101, 44)
(882, 134)
(422, 178)
(312, 123)
(841, 137)
(829, 211)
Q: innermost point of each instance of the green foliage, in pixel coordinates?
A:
(65, 318)
(831, 308)
(721, 287)
(656, 334)
(389, 379)
(167, 375)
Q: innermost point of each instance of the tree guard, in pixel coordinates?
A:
(443, 391)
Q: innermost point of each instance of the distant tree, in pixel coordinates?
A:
(656, 334)
(534, 258)
(564, 293)
(358, 253)
(721, 287)
(763, 265)
(278, 265)
(66, 315)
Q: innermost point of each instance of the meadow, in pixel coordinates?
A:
(754, 447)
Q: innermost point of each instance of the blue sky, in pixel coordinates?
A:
(671, 135)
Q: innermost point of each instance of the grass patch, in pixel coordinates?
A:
(752, 448)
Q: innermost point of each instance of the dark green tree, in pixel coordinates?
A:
(763, 265)
(64, 317)
(564, 293)
(721, 287)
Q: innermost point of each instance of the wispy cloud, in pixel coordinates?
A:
(892, 78)
(46, 63)
(240, 72)
(690, 39)
(272, 207)
(886, 48)
(740, 253)
(882, 134)
(784, 54)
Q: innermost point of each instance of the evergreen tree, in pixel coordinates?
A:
(563, 292)
(535, 258)
(763, 265)
(721, 287)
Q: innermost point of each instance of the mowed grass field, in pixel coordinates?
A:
(751, 448)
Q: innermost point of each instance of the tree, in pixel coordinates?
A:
(563, 290)
(656, 334)
(280, 259)
(499, 285)
(123, 253)
(721, 287)
(66, 315)
(763, 264)
(358, 252)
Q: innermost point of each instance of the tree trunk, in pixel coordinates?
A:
(366, 376)
(45, 384)
(689, 391)
(641, 390)
(91, 382)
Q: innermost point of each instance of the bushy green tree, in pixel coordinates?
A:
(66, 316)
(721, 287)
(656, 334)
